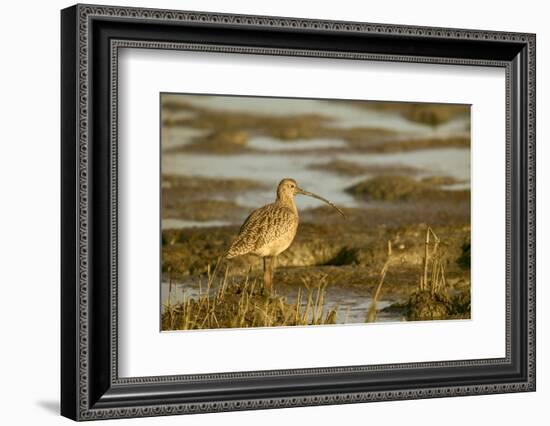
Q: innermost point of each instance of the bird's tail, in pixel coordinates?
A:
(234, 250)
(230, 254)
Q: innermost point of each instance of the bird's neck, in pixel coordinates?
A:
(287, 201)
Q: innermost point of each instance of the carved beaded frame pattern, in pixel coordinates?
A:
(86, 13)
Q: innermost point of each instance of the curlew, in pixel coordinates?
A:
(269, 230)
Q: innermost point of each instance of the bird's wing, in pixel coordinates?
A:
(251, 218)
(261, 227)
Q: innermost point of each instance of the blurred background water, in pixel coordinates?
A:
(271, 159)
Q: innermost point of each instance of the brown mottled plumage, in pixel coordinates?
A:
(269, 230)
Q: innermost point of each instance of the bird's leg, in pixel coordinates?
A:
(268, 275)
(272, 269)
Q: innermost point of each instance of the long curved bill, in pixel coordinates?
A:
(311, 194)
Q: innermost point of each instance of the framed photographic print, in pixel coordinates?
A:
(263, 212)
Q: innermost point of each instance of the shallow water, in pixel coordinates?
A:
(177, 136)
(181, 223)
(454, 162)
(352, 303)
(279, 159)
(266, 169)
(269, 169)
(341, 114)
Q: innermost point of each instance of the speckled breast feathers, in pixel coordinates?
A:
(267, 231)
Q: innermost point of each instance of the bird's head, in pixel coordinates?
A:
(288, 188)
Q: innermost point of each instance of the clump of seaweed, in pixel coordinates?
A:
(430, 301)
(461, 304)
(464, 259)
(441, 180)
(424, 306)
(345, 256)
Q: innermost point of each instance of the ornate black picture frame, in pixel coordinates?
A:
(91, 36)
